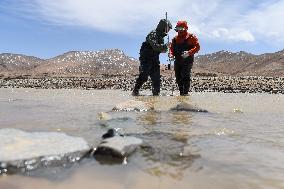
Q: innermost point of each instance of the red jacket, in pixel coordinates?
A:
(191, 40)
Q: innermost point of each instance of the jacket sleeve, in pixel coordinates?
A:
(194, 41)
(152, 39)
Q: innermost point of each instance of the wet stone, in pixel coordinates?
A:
(111, 133)
(133, 105)
(183, 106)
(115, 148)
(103, 116)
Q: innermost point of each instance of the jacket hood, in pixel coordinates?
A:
(163, 24)
(182, 24)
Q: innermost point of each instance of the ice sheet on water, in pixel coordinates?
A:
(18, 145)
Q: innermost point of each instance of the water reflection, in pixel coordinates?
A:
(164, 156)
(162, 113)
(181, 117)
(150, 118)
(167, 151)
(183, 98)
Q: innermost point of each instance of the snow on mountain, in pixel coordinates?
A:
(116, 62)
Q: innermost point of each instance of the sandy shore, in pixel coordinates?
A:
(224, 84)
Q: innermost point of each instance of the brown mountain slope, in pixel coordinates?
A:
(241, 63)
(92, 63)
(14, 63)
(115, 62)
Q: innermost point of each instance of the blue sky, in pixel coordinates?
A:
(46, 28)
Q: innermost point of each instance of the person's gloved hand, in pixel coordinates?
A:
(165, 48)
(164, 51)
(185, 54)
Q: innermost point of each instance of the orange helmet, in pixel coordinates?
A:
(181, 26)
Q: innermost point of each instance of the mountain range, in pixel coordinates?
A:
(116, 62)
(242, 63)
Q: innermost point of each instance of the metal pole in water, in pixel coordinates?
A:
(169, 59)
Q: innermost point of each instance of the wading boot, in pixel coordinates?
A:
(135, 92)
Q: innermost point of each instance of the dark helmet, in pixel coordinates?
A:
(163, 24)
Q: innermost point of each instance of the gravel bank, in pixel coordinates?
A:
(224, 84)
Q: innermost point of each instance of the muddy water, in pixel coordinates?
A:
(238, 144)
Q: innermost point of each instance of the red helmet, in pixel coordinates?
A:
(181, 25)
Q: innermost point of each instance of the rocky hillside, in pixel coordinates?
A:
(14, 63)
(109, 62)
(115, 62)
(74, 63)
(241, 63)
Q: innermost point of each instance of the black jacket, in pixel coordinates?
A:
(154, 44)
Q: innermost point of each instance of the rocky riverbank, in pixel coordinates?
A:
(224, 84)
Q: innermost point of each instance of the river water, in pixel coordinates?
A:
(238, 144)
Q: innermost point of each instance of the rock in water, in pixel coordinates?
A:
(103, 116)
(183, 106)
(116, 149)
(133, 105)
(111, 133)
(22, 151)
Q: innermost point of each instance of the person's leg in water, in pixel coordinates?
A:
(186, 73)
(155, 77)
(178, 67)
(144, 71)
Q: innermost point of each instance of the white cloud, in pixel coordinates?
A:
(267, 21)
(108, 15)
(227, 20)
(232, 35)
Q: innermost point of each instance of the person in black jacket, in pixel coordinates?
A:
(149, 57)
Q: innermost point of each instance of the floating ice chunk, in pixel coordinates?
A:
(19, 145)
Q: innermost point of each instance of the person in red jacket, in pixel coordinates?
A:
(183, 47)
